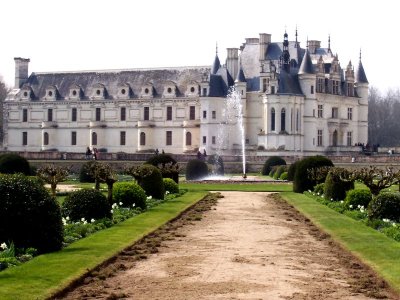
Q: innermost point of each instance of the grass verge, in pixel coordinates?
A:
(370, 246)
(46, 274)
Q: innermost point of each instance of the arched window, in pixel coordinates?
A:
(142, 139)
(188, 139)
(272, 119)
(283, 119)
(94, 138)
(45, 138)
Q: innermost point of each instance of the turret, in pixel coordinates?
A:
(361, 81)
(307, 76)
(21, 71)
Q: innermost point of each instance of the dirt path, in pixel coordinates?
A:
(249, 246)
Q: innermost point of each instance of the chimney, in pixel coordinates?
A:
(232, 61)
(21, 71)
(265, 40)
(313, 45)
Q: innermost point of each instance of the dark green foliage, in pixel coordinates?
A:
(284, 176)
(129, 193)
(167, 165)
(160, 159)
(301, 181)
(11, 163)
(292, 170)
(29, 216)
(270, 162)
(272, 172)
(196, 169)
(319, 188)
(335, 188)
(385, 206)
(150, 179)
(279, 171)
(217, 164)
(171, 186)
(86, 203)
(85, 174)
(358, 197)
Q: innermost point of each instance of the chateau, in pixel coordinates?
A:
(295, 100)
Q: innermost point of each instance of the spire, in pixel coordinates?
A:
(217, 64)
(240, 75)
(306, 66)
(285, 53)
(360, 74)
(296, 43)
(329, 44)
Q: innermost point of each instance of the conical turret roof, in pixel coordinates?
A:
(306, 66)
(360, 74)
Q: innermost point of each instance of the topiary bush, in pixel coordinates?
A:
(29, 216)
(279, 171)
(270, 162)
(217, 164)
(292, 170)
(11, 163)
(354, 198)
(319, 188)
(129, 194)
(335, 188)
(385, 206)
(196, 169)
(302, 182)
(86, 203)
(171, 186)
(85, 175)
(150, 179)
(284, 176)
(167, 165)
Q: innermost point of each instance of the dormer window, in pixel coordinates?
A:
(124, 91)
(26, 93)
(192, 89)
(75, 92)
(51, 93)
(147, 91)
(169, 89)
(99, 92)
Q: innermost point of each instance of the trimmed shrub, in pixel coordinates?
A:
(171, 186)
(354, 198)
(11, 163)
(335, 188)
(319, 188)
(385, 206)
(129, 193)
(150, 179)
(29, 216)
(167, 165)
(85, 174)
(196, 169)
(284, 176)
(270, 162)
(217, 164)
(292, 170)
(86, 203)
(301, 181)
(272, 172)
(279, 171)
(160, 159)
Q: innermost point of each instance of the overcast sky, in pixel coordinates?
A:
(101, 34)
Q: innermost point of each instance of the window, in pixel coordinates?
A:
(320, 85)
(265, 85)
(204, 114)
(319, 137)
(24, 138)
(25, 115)
(335, 87)
(94, 138)
(123, 113)
(213, 140)
(146, 115)
(350, 113)
(122, 138)
(142, 139)
(214, 114)
(283, 119)
(50, 115)
(204, 140)
(74, 114)
(169, 113)
(73, 138)
(350, 89)
(297, 120)
(335, 112)
(204, 92)
(312, 89)
(168, 138)
(192, 113)
(188, 139)
(349, 138)
(45, 138)
(320, 111)
(98, 113)
(272, 90)
(272, 119)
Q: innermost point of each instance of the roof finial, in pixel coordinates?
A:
(307, 41)
(329, 43)
(296, 43)
(360, 54)
(216, 48)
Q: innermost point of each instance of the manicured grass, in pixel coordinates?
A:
(46, 274)
(372, 247)
(245, 187)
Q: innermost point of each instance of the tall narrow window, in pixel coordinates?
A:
(192, 113)
(264, 89)
(204, 140)
(123, 113)
(349, 138)
(146, 113)
(204, 92)
(45, 138)
(283, 119)
(350, 113)
(74, 114)
(94, 138)
(312, 89)
(319, 137)
(320, 111)
(98, 113)
(335, 112)
(50, 115)
(24, 138)
(272, 119)
(188, 139)
(169, 113)
(214, 114)
(142, 139)
(335, 87)
(122, 138)
(168, 137)
(25, 115)
(204, 114)
(297, 120)
(73, 138)
(272, 90)
(213, 140)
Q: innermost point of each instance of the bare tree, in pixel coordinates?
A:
(52, 175)
(4, 90)
(377, 179)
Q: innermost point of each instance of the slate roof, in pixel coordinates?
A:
(289, 84)
(306, 66)
(240, 76)
(360, 74)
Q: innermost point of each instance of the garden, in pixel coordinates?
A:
(50, 237)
